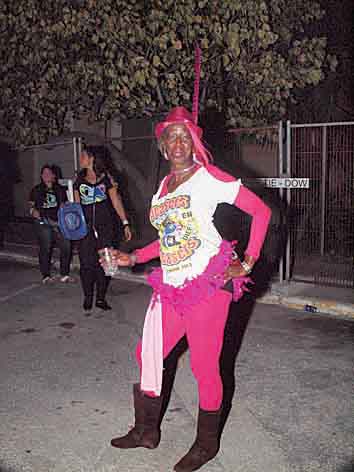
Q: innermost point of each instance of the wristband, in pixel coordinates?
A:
(246, 267)
(125, 222)
(132, 259)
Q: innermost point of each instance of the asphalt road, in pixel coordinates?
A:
(66, 381)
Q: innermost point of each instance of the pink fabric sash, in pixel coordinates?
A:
(152, 348)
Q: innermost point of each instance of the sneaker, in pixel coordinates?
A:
(88, 302)
(66, 279)
(103, 305)
(47, 280)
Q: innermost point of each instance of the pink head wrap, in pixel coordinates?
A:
(180, 115)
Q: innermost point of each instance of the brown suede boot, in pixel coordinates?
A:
(206, 444)
(146, 432)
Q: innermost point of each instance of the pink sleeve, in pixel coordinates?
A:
(250, 203)
(145, 254)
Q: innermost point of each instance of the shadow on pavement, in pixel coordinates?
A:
(6, 469)
(347, 468)
(239, 316)
(169, 373)
(235, 329)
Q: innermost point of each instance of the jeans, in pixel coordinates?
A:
(91, 272)
(48, 236)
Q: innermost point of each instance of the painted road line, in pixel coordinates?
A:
(18, 292)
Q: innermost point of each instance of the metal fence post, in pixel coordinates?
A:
(75, 155)
(288, 197)
(281, 193)
(78, 153)
(323, 189)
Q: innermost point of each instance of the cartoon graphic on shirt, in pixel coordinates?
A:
(178, 230)
(50, 201)
(171, 231)
(90, 194)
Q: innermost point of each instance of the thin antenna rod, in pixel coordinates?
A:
(197, 65)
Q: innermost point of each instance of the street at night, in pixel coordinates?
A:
(201, 152)
(67, 378)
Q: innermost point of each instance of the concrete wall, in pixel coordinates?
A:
(30, 162)
(60, 152)
(23, 188)
(260, 160)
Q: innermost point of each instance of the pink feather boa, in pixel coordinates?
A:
(203, 286)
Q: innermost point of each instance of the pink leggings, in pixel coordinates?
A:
(204, 326)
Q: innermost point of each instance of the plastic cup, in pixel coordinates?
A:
(110, 268)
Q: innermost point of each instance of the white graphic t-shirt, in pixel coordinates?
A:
(184, 220)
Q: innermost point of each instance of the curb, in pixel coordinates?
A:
(318, 306)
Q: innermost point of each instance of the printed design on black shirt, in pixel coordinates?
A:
(178, 230)
(92, 194)
(50, 201)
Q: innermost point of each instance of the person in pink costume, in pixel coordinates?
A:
(190, 295)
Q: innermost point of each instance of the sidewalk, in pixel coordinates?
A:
(333, 301)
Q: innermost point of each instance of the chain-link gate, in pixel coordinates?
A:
(321, 246)
(319, 222)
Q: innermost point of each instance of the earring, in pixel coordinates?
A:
(195, 159)
(165, 156)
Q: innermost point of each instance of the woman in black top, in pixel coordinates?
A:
(45, 200)
(97, 192)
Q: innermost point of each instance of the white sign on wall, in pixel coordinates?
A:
(284, 182)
